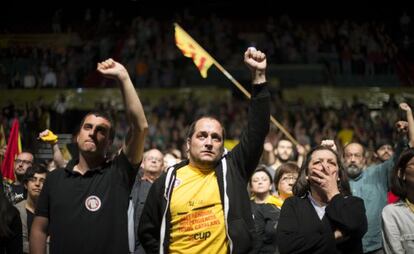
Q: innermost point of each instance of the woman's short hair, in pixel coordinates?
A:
(285, 168)
(34, 169)
(262, 168)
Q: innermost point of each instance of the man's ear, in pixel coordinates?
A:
(364, 160)
(188, 145)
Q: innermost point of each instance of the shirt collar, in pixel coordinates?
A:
(71, 165)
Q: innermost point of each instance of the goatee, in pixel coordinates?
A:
(353, 171)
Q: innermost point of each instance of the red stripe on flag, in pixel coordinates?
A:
(7, 166)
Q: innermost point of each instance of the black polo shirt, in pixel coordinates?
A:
(88, 213)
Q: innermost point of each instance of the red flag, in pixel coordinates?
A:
(13, 149)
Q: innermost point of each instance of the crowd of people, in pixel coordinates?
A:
(157, 178)
(258, 197)
(310, 124)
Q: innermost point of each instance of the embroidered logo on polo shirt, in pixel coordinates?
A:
(93, 203)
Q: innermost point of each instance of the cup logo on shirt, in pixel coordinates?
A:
(93, 203)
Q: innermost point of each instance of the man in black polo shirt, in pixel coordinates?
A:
(84, 206)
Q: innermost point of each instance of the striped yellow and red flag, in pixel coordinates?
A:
(14, 147)
(190, 48)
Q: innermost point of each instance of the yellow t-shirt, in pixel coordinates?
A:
(197, 217)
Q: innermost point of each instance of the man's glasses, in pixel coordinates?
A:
(18, 161)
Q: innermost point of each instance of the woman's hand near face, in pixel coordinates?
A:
(326, 180)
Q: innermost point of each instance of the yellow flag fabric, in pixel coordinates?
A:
(2, 137)
(190, 48)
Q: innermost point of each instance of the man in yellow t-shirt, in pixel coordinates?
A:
(197, 218)
(201, 205)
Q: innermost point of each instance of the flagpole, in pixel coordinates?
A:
(242, 89)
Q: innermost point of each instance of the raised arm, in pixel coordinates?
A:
(248, 152)
(133, 146)
(256, 62)
(47, 136)
(404, 106)
(268, 154)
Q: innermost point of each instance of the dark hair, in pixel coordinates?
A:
(301, 186)
(191, 129)
(398, 186)
(285, 168)
(262, 168)
(284, 139)
(382, 143)
(103, 115)
(34, 169)
(6, 214)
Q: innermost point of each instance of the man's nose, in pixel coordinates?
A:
(353, 158)
(208, 141)
(92, 132)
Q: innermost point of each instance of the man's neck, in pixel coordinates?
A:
(17, 182)
(18, 179)
(87, 163)
(150, 176)
(203, 167)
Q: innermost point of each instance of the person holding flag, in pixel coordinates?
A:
(202, 205)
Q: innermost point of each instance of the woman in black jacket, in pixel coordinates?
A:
(322, 217)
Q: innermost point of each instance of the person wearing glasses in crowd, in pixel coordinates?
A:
(285, 177)
(15, 191)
